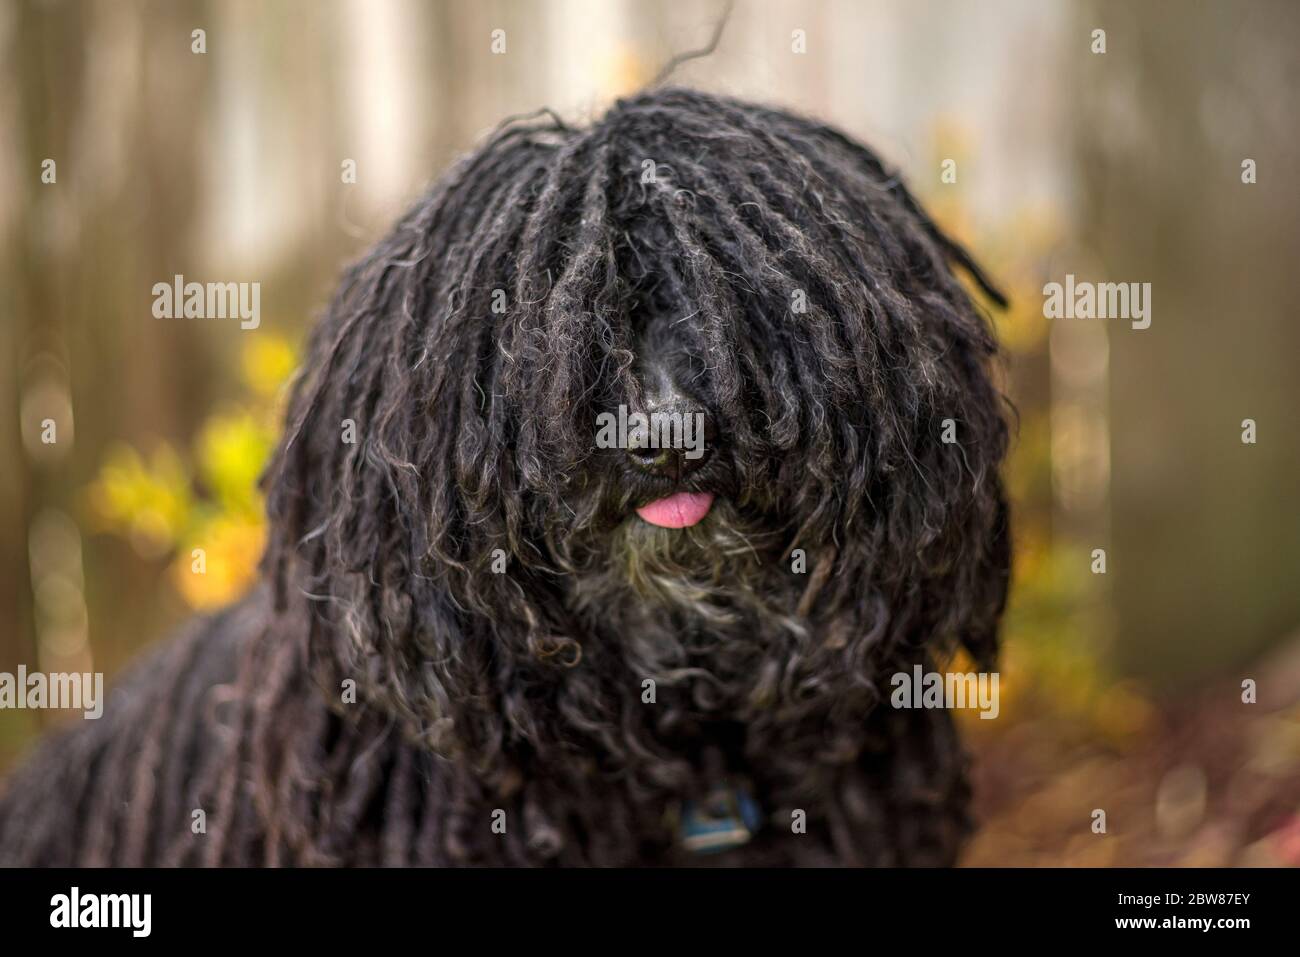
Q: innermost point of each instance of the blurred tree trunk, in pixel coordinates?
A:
(1206, 535)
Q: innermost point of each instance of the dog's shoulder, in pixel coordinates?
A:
(161, 711)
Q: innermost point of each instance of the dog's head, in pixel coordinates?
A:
(496, 549)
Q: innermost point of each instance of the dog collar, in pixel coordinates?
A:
(727, 818)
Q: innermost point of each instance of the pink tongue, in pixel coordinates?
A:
(677, 511)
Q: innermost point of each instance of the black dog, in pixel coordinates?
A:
(486, 639)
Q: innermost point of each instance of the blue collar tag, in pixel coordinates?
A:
(726, 819)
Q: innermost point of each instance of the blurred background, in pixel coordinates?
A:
(129, 441)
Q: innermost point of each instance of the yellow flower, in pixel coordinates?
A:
(207, 512)
(231, 452)
(149, 504)
(267, 363)
(219, 563)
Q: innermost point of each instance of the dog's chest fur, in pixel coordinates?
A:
(887, 788)
(714, 737)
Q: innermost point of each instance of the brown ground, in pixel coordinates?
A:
(1209, 781)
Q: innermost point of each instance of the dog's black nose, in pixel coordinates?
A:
(672, 463)
(677, 433)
